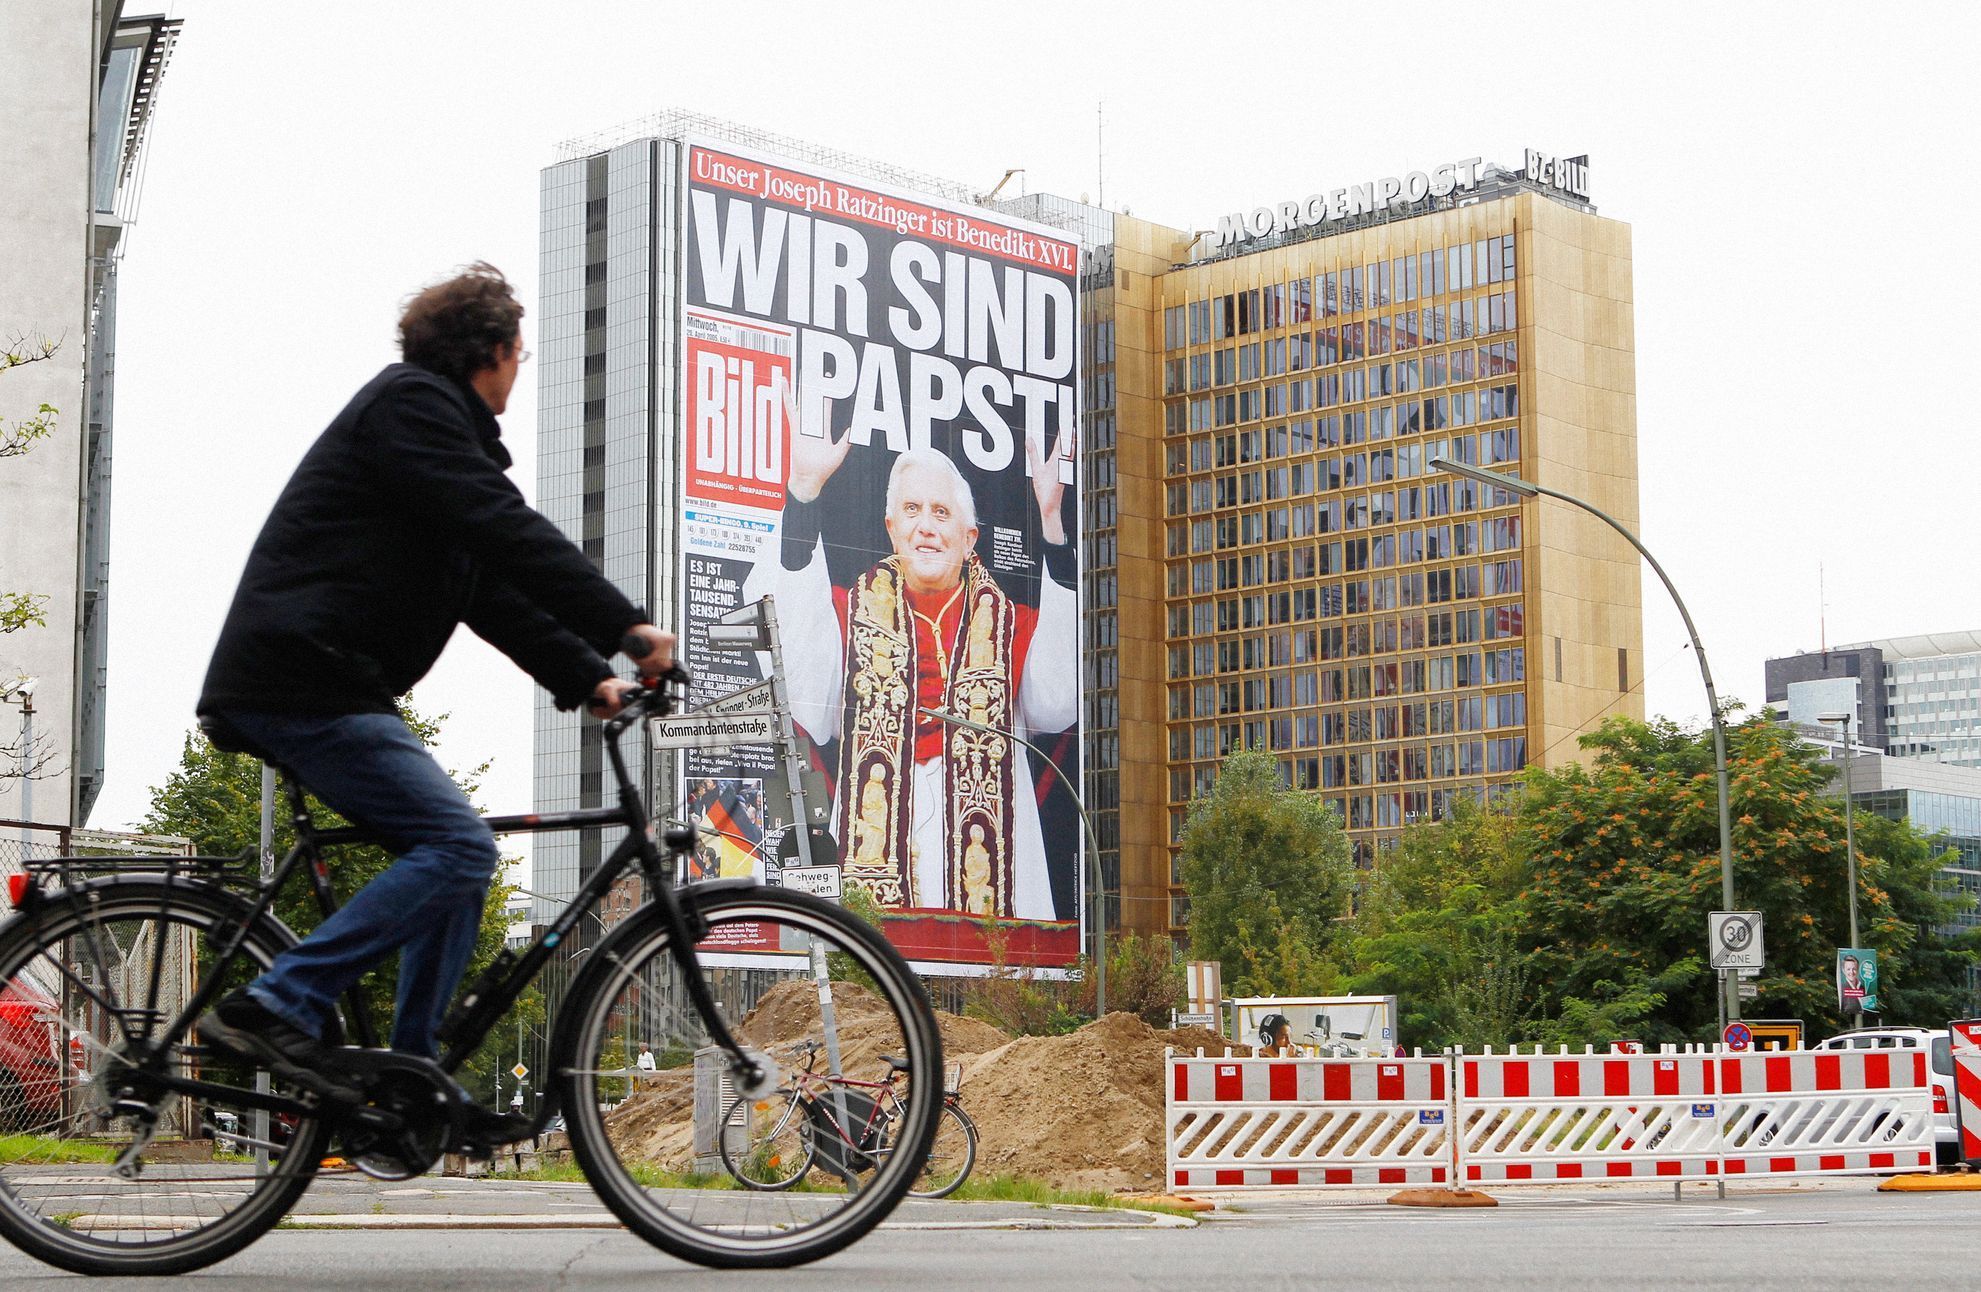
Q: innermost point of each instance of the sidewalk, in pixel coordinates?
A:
(352, 1200)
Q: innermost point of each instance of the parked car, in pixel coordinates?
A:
(31, 1076)
(1939, 1071)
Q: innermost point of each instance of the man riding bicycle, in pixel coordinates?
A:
(398, 526)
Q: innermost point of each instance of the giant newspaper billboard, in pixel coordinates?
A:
(879, 411)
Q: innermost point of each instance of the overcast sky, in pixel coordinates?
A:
(1797, 178)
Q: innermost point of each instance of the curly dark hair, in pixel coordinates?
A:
(458, 327)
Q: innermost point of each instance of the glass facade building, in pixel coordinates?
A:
(1941, 800)
(1914, 697)
(1269, 562)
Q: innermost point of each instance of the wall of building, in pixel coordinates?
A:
(1579, 433)
(44, 228)
(1142, 253)
(605, 396)
(1862, 665)
(1933, 698)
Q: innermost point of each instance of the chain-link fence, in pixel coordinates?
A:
(21, 842)
(55, 1028)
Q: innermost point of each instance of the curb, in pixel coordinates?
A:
(1961, 1183)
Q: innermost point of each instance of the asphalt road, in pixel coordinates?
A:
(1838, 1236)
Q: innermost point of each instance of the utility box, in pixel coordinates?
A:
(713, 1097)
(1325, 1026)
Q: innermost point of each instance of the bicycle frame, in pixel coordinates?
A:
(886, 1101)
(491, 995)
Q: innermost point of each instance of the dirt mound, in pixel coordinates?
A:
(657, 1124)
(867, 1028)
(964, 1037)
(1083, 1111)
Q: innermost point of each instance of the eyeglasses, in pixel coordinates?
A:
(523, 356)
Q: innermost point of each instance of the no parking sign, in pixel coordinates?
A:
(1738, 1036)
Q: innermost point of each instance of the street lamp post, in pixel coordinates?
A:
(1849, 832)
(1730, 984)
(1093, 843)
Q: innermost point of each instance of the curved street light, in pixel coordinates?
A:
(1730, 989)
(1093, 842)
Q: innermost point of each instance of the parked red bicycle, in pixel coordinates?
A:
(842, 1125)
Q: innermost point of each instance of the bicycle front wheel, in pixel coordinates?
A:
(102, 1182)
(951, 1155)
(652, 1143)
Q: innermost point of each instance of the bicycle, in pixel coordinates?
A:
(771, 1143)
(157, 1155)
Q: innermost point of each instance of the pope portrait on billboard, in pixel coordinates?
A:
(928, 814)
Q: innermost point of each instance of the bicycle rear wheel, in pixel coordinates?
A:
(81, 985)
(651, 1143)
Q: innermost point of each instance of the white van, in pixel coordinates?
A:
(1939, 1071)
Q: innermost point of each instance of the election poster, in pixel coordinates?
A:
(880, 430)
(1857, 981)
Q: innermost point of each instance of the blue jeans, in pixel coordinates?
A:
(427, 905)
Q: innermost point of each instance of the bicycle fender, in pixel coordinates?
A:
(691, 896)
(238, 906)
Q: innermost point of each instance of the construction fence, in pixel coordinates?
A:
(1461, 1119)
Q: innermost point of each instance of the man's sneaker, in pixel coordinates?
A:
(247, 1029)
(483, 1130)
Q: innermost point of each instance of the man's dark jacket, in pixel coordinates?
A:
(399, 525)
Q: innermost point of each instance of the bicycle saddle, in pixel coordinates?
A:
(899, 1065)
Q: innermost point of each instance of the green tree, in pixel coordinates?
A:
(1267, 873)
(1437, 926)
(1144, 978)
(214, 799)
(1626, 867)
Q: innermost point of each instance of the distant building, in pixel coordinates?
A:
(1939, 799)
(72, 154)
(1913, 697)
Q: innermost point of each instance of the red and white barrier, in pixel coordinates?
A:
(1532, 1117)
(1967, 1085)
(1306, 1122)
(1827, 1111)
(1541, 1118)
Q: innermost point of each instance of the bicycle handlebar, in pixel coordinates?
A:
(659, 693)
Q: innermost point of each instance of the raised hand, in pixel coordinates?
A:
(1047, 486)
(813, 460)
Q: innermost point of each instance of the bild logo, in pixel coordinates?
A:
(739, 403)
